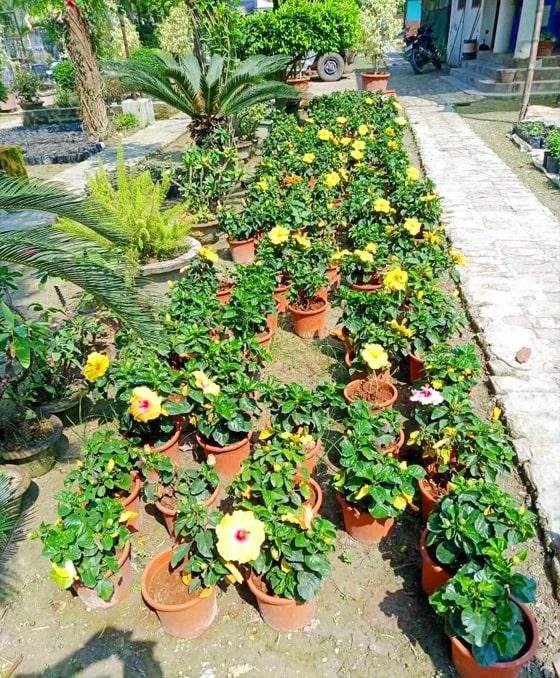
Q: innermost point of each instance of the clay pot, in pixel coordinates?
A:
(383, 394)
(281, 614)
(433, 575)
(40, 458)
(224, 294)
(316, 500)
(170, 515)
(427, 497)
(311, 456)
(394, 449)
(132, 503)
(187, 619)
(416, 365)
(170, 448)
(366, 287)
(467, 667)
(121, 582)
(242, 251)
(280, 298)
(272, 321)
(264, 338)
(228, 457)
(361, 526)
(309, 324)
(334, 277)
(373, 82)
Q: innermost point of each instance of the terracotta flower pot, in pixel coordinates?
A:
(309, 324)
(264, 338)
(280, 298)
(373, 82)
(132, 503)
(311, 456)
(334, 277)
(316, 499)
(181, 614)
(122, 584)
(416, 365)
(361, 526)
(366, 287)
(427, 498)
(395, 448)
(242, 251)
(272, 321)
(467, 667)
(170, 515)
(433, 575)
(229, 457)
(224, 293)
(281, 614)
(170, 448)
(381, 394)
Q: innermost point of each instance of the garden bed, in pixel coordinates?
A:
(51, 144)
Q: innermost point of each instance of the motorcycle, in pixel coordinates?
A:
(420, 49)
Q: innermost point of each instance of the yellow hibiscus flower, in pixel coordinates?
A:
(325, 134)
(432, 237)
(393, 324)
(395, 280)
(393, 145)
(308, 157)
(382, 205)
(359, 144)
(302, 240)
(240, 536)
(428, 197)
(400, 121)
(363, 130)
(205, 384)
(362, 492)
(208, 254)
(364, 256)
(278, 235)
(403, 500)
(412, 225)
(357, 155)
(368, 100)
(262, 184)
(342, 119)
(371, 247)
(413, 173)
(458, 258)
(145, 404)
(96, 366)
(375, 356)
(346, 141)
(390, 131)
(331, 179)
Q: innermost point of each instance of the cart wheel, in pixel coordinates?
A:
(330, 66)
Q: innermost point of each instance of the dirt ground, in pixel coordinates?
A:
(372, 619)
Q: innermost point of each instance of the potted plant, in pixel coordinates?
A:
(492, 632)
(109, 468)
(240, 233)
(374, 389)
(379, 27)
(382, 431)
(449, 367)
(89, 548)
(180, 583)
(546, 44)
(461, 523)
(307, 307)
(26, 436)
(372, 488)
(361, 267)
(552, 153)
(170, 486)
(26, 86)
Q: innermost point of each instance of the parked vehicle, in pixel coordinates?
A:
(420, 49)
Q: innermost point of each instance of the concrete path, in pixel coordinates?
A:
(511, 283)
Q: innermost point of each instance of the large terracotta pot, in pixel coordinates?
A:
(309, 324)
(373, 82)
(190, 617)
(229, 457)
(122, 584)
(170, 515)
(280, 298)
(264, 338)
(467, 667)
(433, 575)
(282, 614)
(361, 526)
(381, 394)
(242, 251)
(224, 294)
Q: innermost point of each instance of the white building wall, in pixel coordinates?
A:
(526, 27)
(464, 24)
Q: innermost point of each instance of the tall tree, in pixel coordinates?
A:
(89, 82)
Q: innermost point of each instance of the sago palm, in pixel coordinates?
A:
(210, 96)
(75, 258)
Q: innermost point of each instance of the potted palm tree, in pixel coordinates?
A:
(379, 27)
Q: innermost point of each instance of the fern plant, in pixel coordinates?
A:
(136, 204)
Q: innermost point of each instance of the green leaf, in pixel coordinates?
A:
(479, 625)
(307, 586)
(104, 588)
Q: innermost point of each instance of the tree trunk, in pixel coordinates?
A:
(89, 83)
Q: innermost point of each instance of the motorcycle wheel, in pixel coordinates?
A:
(416, 61)
(437, 63)
(330, 67)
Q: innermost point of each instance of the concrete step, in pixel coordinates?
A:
(490, 86)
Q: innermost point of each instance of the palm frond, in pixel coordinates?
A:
(30, 194)
(260, 65)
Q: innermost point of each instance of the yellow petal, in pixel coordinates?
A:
(362, 492)
(206, 592)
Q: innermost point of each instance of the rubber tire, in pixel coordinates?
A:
(437, 63)
(323, 62)
(416, 62)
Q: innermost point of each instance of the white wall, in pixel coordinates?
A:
(464, 24)
(526, 27)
